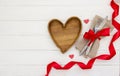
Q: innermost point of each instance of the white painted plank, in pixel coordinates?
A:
(118, 18)
(53, 2)
(39, 70)
(47, 13)
(46, 56)
(32, 28)
(24, 28)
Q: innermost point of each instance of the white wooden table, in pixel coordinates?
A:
(26, 47)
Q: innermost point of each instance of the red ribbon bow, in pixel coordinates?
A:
(91, 35)
(101, 57)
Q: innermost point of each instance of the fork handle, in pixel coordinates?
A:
(89, 47)
(85, 48)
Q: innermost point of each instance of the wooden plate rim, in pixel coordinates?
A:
(64, 26)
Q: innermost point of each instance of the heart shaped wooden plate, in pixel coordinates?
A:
(65, 36)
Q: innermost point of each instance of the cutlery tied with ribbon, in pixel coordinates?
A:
(88, 44)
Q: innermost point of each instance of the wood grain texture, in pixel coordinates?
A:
(65, 36)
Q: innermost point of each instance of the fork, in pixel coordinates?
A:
(95, 29)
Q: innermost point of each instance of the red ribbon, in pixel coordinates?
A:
(91, 35)
(101, 57)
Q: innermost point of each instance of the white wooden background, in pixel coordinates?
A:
(26, 47)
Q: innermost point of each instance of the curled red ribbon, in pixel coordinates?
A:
(92, 36)
(101, 57)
